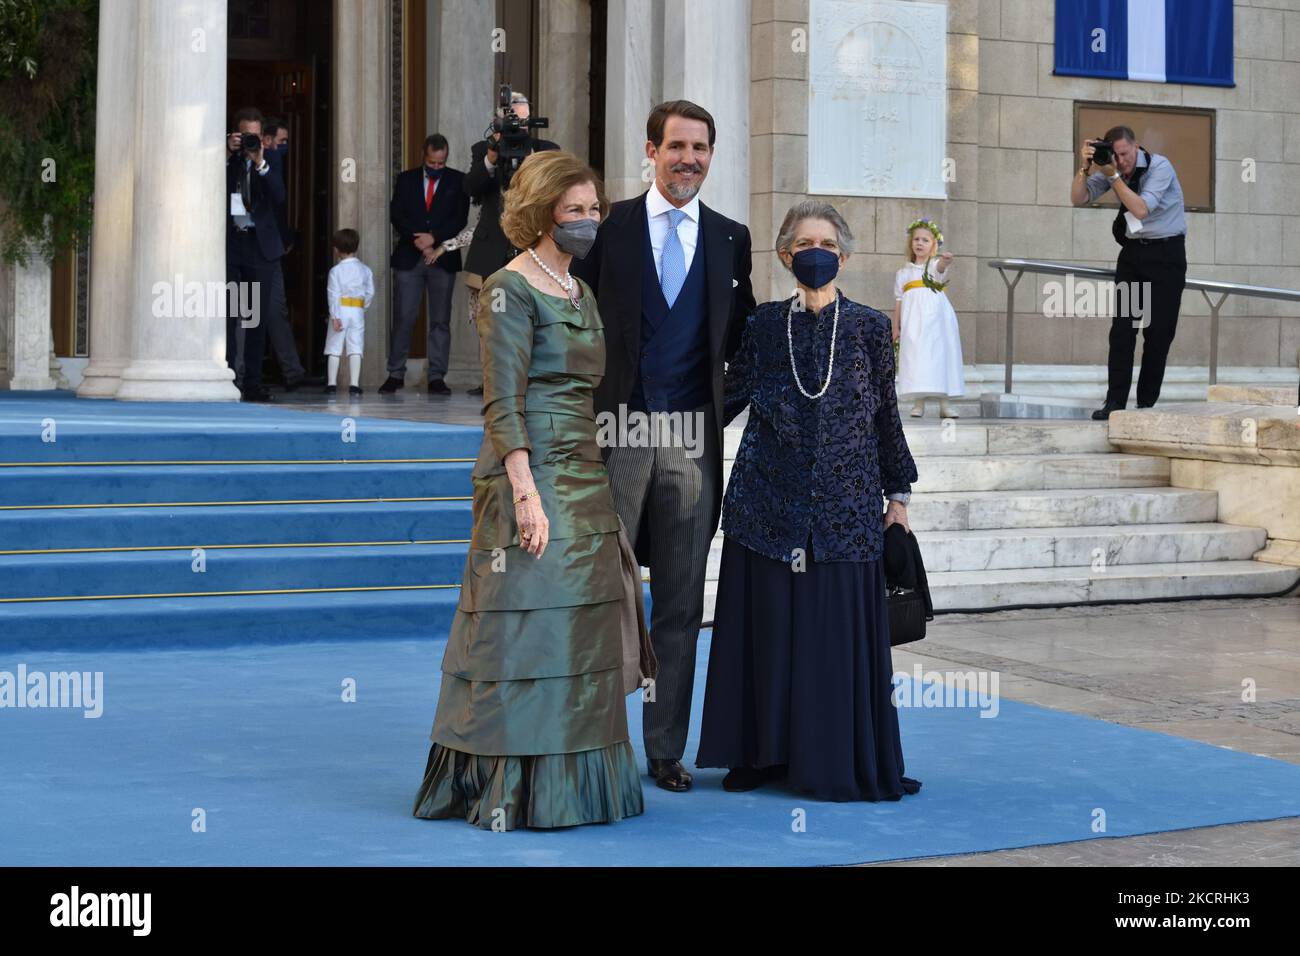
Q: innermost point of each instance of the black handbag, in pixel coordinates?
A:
(906, 589)
(1119, 228)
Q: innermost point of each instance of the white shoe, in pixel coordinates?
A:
(946, 411)
(918, 409)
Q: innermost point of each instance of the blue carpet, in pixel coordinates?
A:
(258, 737)
(45, 427)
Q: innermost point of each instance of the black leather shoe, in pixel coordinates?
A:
(391, 385)
(438, 387)
(1141, 405)
(256, 395)
(331, 389)
(742, 779)
(670, 775)
(292, 385)
(1103, 413)
(354, 391)
(476, 390)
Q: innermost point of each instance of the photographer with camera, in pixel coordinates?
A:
(1150, 227)
(253, 245)
(493, 160)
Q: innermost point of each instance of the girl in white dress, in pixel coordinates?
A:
(925, 325)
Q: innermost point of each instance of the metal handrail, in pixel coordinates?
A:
(1204, 286)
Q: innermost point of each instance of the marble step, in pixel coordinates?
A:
(966, 436)
(1060, 508)
(1039, 472)
(1032, 472)
(978, 590)
(1008, 549)
(986, 590)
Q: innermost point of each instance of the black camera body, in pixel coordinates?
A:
(249, 142)
(514, 145)
(1102, 153)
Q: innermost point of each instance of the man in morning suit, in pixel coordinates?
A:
(671, 278)
(429, 206)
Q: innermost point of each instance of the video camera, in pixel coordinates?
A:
(515, 143)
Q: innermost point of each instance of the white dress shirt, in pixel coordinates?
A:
(656, 208)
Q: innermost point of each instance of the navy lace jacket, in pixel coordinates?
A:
(815, 467)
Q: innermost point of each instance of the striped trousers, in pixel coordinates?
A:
(675, 494)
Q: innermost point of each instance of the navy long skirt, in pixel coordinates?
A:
(800, 675)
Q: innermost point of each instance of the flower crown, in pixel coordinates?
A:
(928, 224)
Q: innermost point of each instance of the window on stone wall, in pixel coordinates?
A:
(1185, 136)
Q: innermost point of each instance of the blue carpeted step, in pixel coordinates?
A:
(221, 621)
(187, 527)
(113, 573)
(129, 484)
(57, 427)
(225, 620)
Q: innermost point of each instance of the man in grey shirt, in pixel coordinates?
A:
(1150, 228)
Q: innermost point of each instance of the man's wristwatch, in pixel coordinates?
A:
(1113, 176)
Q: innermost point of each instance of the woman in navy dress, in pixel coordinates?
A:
(799, 683)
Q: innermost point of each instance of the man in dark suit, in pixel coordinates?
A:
(489, 250)
(429, 206)
(671, 278)
(253, 247)
(279, 331)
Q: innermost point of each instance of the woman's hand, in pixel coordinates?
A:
(534, 528)
(896, 513)
(338, 325)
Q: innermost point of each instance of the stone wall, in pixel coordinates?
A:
(1009, 133)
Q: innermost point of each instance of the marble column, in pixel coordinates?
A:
(363, 98)
(563, 93)
(6, 320)
(461, 61)
(177, 305)
(110, 243)
(29, 360)
(706, 60)
(631, 91)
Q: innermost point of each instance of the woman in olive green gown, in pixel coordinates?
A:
(531, 725)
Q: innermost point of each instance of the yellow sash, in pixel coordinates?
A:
(354, 302)
(914, 284)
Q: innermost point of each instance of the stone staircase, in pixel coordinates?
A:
(1041, 513)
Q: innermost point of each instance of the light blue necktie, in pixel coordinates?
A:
(672, 265)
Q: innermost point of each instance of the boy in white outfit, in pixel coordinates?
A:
(349, 290)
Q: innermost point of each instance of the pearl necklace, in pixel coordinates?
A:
(830, 365)
(568, 284)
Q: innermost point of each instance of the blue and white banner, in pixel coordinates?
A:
(1160, 41)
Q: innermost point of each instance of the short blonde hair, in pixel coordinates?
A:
(540, 182)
